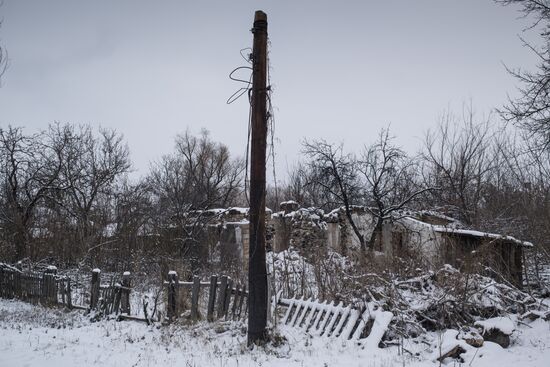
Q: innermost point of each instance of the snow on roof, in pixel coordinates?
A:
(239, 210)
(288, 202)
(467, 232)
(242, 210)
(215, 211)
(473, 233)
(236, 223)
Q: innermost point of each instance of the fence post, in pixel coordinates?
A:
(51, 286)
(94, 295)
(269, 301)
(212, 297)
(195, 298)
(172, 294)
(221, 296)
(243, 295)
(125, 294)
(228, 298)
(69, 295)
(19, 288)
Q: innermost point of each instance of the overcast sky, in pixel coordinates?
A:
(341, 70)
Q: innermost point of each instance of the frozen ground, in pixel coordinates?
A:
(34, 336)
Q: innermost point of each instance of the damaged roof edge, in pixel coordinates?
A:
(469, 232)
(472, 233)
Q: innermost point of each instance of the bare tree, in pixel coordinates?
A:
(31, 166)
(91, 166)
(457, 159)
(390, 181)
(214, 177)
(132, 215)
(303, 187)
(517, 199)
(531, 110)
(336, 173)
(200, 175)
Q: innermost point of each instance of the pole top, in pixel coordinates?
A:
(260, 15)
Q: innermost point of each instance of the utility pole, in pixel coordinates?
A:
(257, 272)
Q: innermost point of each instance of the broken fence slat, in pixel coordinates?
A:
(321, 309)
(352, 320)
(307, 305)
(312, 312)
(336, 312)
(345, 314)
(289, 308)
(382, 320)
(364, 318)
(328, 313)
(299, 305)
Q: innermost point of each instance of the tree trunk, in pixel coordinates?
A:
(20, 241)
(376, 234)
(356, 229)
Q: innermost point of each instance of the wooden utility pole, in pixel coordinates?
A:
(257, 272)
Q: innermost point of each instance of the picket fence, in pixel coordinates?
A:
(331, 319)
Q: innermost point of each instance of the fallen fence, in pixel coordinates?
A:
(330, 319)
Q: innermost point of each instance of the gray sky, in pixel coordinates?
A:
(341, 70)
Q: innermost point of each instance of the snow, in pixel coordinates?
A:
(96, 270)
(503, 324)
(126, 273)
(381, 321)
(239, 210)
(448, 342)
(469, 232)
(288, 202)
(36, 336)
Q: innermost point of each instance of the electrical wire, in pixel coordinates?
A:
(271, 122)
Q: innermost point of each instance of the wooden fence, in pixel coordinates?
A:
(218, 298)
(334, 320)
(226, 299)
(111, 298)
(50, 289)
(46, 288)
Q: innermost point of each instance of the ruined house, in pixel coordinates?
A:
(422, 238)
(431, 239)
(419, 238)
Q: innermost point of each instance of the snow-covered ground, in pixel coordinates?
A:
(35, 336)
